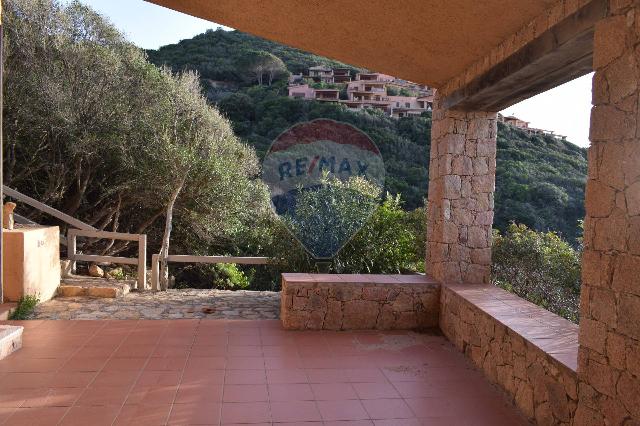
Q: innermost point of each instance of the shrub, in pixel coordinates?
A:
(25, 307)
(391, 241)
(540, 267)
(224, 276)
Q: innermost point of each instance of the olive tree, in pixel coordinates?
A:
(96, 131)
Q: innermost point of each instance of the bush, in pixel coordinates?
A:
(391, 241)
(540, 267)
(223, 276)
(25, 308)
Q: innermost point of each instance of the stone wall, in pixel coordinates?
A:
(358, 302)
(550, 17)
(609, 361)
(461, 187)
(527, 351)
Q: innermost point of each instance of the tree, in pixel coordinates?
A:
(96, 131)
(259, 64)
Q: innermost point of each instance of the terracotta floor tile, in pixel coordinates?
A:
(244, 351)
(134, 351)
(12, 381)
(125, 364)
(342, 410)
(72, 379)
(195, 375)
(152, 395)
(287, 376)
(103, 396)
(53, 397)
(280, 363)
(44, 416)
(158, 378)
(76, 363)
(245, 377)
(207, 351)
(418, 389)
(366, 375)
(246, 363)
(196, 393)
(142, 415)
(207, 363)
(375, 390)
(170, 351)
(387, 409)
(245, 393)
(166, 364)
(5, 413)
(16, 397)
(441, 406)
(333, 391)
(245, 412)
(399, 422)
(326, 375)
(244, 340)
(350, 423)
(30, 365)
(94, 416)
(115, 379)
(300, 411)
(290, 392)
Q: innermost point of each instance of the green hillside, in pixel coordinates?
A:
(540, 180)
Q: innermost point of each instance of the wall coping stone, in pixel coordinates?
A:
(360, 279)
(552, 334)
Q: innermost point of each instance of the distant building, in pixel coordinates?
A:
(516, 122)
(367, 90)
(321, 74)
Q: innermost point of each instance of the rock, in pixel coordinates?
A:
(95, 271)
(7, 215)
(65, 268)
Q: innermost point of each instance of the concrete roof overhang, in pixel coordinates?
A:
(426, 41)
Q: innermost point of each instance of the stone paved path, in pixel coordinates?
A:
(170, 304)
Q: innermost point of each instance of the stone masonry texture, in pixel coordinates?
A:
(609, 358)
(461, 189)
(527, 351)
(358, 302)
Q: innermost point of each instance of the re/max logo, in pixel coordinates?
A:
(302, 166)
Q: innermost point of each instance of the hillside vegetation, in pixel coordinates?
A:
(540, 179)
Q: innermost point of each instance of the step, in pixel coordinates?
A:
(10, 339)
(6, 309)
(82, 286)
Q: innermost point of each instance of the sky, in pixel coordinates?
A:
(564, 109)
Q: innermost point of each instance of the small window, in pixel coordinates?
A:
(407, 104)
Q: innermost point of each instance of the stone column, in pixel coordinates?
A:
(609, 357)
(461, 186)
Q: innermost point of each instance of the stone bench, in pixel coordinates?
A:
(359, 302)
(528, 351)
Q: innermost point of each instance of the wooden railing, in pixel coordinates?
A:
(155, 263)
(88, 231)
(141, 260)
(46, 209)
(81, 229)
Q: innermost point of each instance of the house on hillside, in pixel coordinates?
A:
(518, 123)
(321, 74)
(368, 90)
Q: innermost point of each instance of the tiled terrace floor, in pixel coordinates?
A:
(216, 372)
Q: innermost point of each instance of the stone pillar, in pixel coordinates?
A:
(609, 357)
(461, 186)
